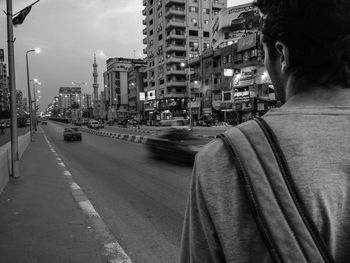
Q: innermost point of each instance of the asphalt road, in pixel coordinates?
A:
(142, 200)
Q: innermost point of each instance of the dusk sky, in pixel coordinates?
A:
(69, 32)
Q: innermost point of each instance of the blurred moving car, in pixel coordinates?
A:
(175, 144)
(70, 134)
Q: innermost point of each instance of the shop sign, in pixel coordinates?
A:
(226, 105)
(142, 96)
(207, 111)
(244, 105)
(194, 104)
(151, 95)
(216, 104)
(241, 95)
(246, 42)
(228, 72)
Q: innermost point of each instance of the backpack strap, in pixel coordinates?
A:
(288, 233)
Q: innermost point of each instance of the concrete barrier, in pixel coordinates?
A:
(5, 158)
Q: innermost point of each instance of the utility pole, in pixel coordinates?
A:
(12, 84)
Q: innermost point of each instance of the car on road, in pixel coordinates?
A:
(72, 133)
(122, 123)
(92, 124)
(176, 145)
(110, 122)
(44, 122)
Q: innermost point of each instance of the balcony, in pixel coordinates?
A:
(175, 36)
(144, 2)
(172, 60)
(176, 2)
(177, 24)
(144, 12)
(144, 41)
(144, 22)
(144, 31)
(145, 51)
(217, 5)
(173, 47)
(176, 72)
(175, 12)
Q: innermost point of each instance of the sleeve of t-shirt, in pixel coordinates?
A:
(200, 241)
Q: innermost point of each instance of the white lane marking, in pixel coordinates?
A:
(112, 250)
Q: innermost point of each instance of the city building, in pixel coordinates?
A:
(136, 94)
(4, 90)
(234, 23)
(69, 101)
(95, 101)
(19, 99)
(176, 30)
(233, 82)
(116, 86)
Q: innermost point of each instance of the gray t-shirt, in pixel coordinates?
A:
(219, 226)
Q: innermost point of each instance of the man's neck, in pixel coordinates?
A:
(303, 95)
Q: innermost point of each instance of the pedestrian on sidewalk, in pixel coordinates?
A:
(307, 55)
(2, 127)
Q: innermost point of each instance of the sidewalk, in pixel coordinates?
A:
(39, 218)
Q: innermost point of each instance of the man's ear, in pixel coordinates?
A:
(283, 52)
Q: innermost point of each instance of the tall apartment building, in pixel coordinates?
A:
(116, 86)
(175, 31)
(4, 91)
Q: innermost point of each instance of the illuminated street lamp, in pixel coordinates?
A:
(37, 50)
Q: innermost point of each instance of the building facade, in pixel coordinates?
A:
(4, 90)
(175, 31)
(136, 94)
(116, 86)
(232, 82)
(234, 23)
(69, 101)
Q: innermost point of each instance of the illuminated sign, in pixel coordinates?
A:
(142, 96)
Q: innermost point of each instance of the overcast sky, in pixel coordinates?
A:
(69, 32)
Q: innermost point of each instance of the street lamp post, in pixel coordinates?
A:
(29, 94)
(182, 64)
(34, 92)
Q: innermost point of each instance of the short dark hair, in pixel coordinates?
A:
(317, 33)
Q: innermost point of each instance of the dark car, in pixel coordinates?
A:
(246, 20)
(110, 122)
(71, 134)
(122, 123)
(174, 144)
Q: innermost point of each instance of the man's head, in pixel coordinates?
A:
(309, 39)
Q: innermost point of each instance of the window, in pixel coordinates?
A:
(205, 34)
(227, 35)
(151, 32)
(161, 81)
(227, 96)
(160, 14)
(151, 43)
(116, 74)
(193, 9)
(194, 21)
(160, 37)
(194, 46)
(193, 33)
(205, 45)
(206, 22)
(150, 11)
(206, 10)
(151, 22)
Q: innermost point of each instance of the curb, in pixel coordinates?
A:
(120, 136)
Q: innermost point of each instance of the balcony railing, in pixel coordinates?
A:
(175, 36)
(178, 2)
(172, 23)
(174, 59)
(144, 31)
(174, 12)
(144, 12)
(144, 41)
(176, 72)
(175, 48)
